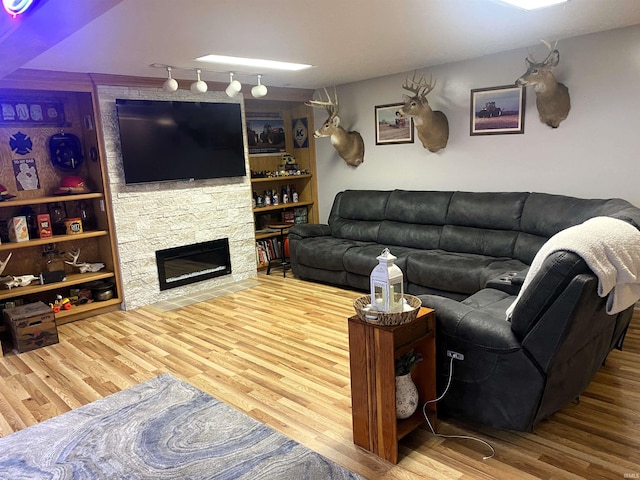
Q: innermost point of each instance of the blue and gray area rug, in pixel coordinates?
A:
(160, 429)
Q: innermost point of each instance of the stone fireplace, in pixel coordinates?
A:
(164, 216)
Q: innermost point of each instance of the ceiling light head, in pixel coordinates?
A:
(258, 63)
(533, 4)
(259, 90)
(199, 86)
(170, 84)
(234, 86)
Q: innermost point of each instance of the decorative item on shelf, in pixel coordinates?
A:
(386, 282)
(56, 211)
(3, 265)
(4, 194)
(44, 225)
(71, 185)
(32, 221)
(54, 276)
(101, 290)
(60, 303)
(73, 226)
(84, 267)
(406, 390)
(19, 281)
(367, 313)
(18, 230)
(86, 215)
(65, 150)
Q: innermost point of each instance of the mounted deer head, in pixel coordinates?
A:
(432, 126)
(349, 145)
(552, 97)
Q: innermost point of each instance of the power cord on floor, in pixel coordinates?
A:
(468, 437)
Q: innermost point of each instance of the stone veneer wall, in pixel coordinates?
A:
(156, 216)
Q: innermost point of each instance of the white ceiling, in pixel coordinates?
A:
(346, 40)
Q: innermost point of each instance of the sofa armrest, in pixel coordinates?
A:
(304, 230)
(473, 327)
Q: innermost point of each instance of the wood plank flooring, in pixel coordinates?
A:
(279, 352)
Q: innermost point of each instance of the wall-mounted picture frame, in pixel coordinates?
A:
(391, 127)
(497, 110)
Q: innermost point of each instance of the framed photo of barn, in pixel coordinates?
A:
(497, 110)
(391, 127)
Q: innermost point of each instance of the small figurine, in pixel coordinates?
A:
(84, 266)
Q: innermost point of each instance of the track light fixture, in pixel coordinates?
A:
(234, 86)
(259, 90)
(170, 84)
(198, 86)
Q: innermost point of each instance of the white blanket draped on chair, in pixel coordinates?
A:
(611, 249)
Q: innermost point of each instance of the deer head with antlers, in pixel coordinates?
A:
(552, 97)
(349, 145)
(432, 126)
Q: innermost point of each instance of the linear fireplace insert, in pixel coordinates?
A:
(193, 263)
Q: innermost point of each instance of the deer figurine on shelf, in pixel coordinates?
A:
(83, 267)
(552, 97)
(432, 126)
(349, 145)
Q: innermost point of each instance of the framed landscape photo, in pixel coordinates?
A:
(497, 110)
(391, 127)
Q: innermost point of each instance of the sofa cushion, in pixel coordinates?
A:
(424, 208)
(356, 214)
(456, 272)
(323, 252)
(483, 241)
(409, 235)
(361, 260)
(493, 210)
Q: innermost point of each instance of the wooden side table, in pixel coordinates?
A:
(372, 353)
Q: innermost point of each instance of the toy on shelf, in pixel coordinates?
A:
(61, 303)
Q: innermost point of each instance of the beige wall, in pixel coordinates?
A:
(594, 152)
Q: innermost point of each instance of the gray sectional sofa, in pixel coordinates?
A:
(465, 254)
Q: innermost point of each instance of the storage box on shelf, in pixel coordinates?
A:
(271, 173)
(71, 95)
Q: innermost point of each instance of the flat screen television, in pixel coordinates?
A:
(166, 140)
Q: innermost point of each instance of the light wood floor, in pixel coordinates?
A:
(279, 352)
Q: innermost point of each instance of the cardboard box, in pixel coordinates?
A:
(73, 225)
(44, 226)
(32, 326)
(18, 231)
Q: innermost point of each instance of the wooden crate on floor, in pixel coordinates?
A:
(32, 326)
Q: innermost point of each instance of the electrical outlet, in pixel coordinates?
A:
(455, 355)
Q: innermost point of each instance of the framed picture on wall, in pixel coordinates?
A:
(497, 110)
(391, 127)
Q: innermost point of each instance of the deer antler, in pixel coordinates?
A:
(420, 87)
(75, 254)
(3, 265)
(331, 106)
(532, 59)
